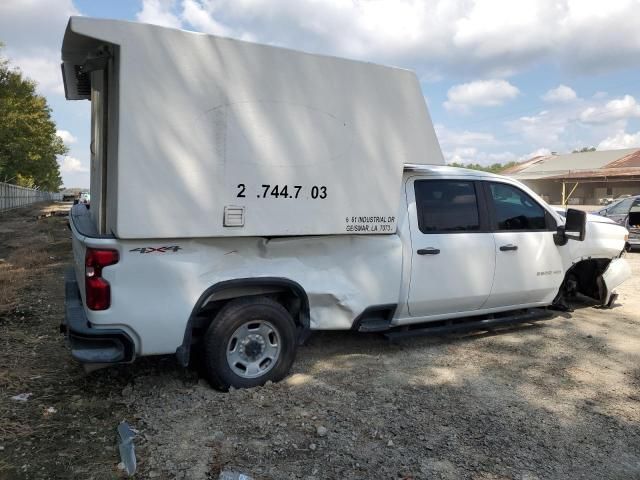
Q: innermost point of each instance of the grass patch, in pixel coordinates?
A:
(16, 271)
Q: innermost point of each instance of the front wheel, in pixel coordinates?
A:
(249, 342)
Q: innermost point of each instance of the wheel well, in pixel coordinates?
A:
(583, 277)
(284, 291)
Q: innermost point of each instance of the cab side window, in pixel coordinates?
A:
(514, 209)
(445, 206)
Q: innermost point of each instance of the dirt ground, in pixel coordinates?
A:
(554, 400)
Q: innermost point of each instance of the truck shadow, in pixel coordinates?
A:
(327, 344)
(553, 399)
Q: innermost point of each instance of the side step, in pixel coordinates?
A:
(376, 318)
(374, 325)
(531, 315)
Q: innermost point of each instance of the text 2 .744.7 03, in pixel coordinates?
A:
(285, 191)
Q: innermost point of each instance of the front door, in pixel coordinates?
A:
(453, 254)
(528, 263)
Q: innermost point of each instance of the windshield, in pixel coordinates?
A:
(621, 207)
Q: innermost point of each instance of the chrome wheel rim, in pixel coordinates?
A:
(253, 349)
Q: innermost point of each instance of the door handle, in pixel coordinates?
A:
(428, 251)
(506, 248)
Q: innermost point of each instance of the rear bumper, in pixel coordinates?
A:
(89, 344)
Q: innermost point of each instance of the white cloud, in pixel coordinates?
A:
(540, 152)
(477, 37)
(566, 126)
(480, 93)
(466, 155)
(544, 128)
(70, 164)
(599, 36)
(620, 140)
(66, 136)
(32, 31)
(31, 24)
(617, 109)
(516, 32)
(159, 12)
(560, 94)
(44, 68)
(195, 14)
(452, 138)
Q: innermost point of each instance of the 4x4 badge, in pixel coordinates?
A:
(172, 248)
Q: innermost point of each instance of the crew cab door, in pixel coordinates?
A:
(528, 262)
(453, 253)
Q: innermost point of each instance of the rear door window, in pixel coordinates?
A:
(514, 209)
(445, 206)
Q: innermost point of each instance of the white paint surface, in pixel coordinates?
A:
(153, 294)
(199, 115)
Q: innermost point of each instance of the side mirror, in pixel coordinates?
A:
(576, 225)
(574, 228)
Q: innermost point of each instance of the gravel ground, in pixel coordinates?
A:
(554, 400)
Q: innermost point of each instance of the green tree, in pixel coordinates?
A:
(584, 149)
(494, 168)
(28, 141)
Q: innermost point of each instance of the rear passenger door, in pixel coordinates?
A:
(528, 262)
(453, 252)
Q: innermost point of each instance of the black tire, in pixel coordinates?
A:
(231, 317)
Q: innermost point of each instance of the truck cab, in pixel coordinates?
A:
(493, 243)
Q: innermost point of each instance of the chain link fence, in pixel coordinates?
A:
(13, 196)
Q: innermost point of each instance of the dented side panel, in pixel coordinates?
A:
(342, 275)
(602, 240)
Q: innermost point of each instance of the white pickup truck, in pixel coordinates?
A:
(468, 244)
(441, 244)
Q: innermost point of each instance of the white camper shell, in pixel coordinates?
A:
(201, 136)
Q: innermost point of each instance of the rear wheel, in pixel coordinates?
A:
(250, 341)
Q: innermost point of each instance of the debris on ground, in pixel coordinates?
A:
(126, 447)
(230, 475)
(22, 397)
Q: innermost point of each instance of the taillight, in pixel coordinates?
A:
(98, 290)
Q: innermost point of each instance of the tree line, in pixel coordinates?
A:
(494, 168)
(28, 141)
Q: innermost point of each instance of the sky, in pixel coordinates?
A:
(504, 80)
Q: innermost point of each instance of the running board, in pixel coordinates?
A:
(532, 315)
